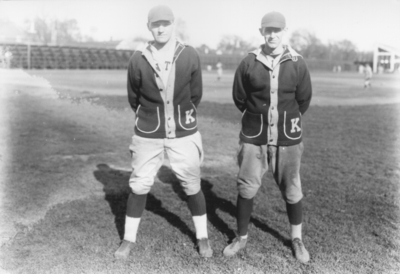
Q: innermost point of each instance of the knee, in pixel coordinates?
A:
(191, 187)
(292, 195)
(140, 187)
(248, 191)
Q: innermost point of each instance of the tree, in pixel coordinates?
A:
(203, 48)
(180, 30)
(343, 50)
(234, 44)
(51, 31)
(308, 45)
(67, 31)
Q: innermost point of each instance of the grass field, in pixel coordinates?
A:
(65, 170)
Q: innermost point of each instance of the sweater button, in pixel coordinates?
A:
(167, 102)
(160, 89)
(169, 118)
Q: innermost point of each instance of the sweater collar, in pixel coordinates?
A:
(146, 52)
(288, 54)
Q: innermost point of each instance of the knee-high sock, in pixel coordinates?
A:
(197, 207)
(135, 207)
(295, 213)
(244, 209)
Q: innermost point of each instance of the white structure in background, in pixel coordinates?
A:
(386, 58)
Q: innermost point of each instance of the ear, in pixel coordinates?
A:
(148, 26)
(261, 31)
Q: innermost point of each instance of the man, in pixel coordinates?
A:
(219, 70)
(272, 89)
(164, 90)
(367, 76)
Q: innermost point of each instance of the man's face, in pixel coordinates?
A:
(161, 31)
(273, 36)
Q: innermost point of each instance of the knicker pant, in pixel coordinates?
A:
(254, 161)
(185, 155)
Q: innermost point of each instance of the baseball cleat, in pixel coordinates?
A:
(205, 250)
(123, 251)
(237, 245)
(300, 251)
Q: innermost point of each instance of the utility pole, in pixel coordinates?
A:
(31, 32)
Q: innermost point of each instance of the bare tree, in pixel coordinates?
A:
(234, 44)
(308, 44)
(52, 31)
(343, 50)
(180, 30)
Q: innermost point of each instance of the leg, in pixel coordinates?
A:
(286, 169)
(197, 207)
(253, 163)
(147, 158)
(185, 155)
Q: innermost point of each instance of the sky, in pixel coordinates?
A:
(364, 22)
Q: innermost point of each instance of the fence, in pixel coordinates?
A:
(58, 57)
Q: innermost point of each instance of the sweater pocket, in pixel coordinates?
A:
(252, 124)
(147, 119)
(187, 115)
(292, 125)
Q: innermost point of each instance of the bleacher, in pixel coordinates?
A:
(58, 57)
(62, 57)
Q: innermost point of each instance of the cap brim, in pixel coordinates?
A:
(273, 25)
(162, 18)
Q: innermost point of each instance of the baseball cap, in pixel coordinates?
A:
(160, 13)
(273, 19)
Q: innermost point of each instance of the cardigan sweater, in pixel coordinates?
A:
(272, 96)
(165, 110)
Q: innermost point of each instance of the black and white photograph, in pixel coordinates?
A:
(200, 136)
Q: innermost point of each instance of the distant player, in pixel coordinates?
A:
(164, 90)
(367, 76)
(7, 57)
(2, 61)
(219, 70)
(272, 88)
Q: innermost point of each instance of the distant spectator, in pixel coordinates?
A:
(368, 76)
(2, 57)
(339, 69)
(219, 70)
(8, 57)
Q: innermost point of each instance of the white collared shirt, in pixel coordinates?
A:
(163, 62)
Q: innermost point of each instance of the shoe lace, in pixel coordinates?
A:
(298, 245)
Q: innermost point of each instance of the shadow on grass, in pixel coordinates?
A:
(214, 203)
(116, 188)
